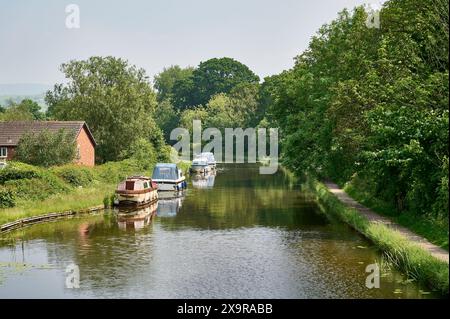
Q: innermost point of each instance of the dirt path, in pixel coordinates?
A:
(434, 250)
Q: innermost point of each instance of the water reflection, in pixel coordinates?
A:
(136, 219)
(169, 203)
(205, 180)
(250, 236)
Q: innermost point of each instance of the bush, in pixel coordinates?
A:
(142, 151)
(37, 188)
(46, 148)
(6, 198)
(74, 175)
(16, 170)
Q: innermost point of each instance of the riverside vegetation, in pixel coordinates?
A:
(364, 107)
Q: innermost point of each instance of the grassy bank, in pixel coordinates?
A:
(416, 263)
(27, 190)
(433, 229)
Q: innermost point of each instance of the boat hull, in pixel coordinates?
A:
(167, 185)
(201, 169)
(127, 198)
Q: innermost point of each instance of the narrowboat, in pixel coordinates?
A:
(136, 190)
(168, 177)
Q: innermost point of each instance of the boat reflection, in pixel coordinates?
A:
(136, 218)
(204, 180)
(169, 203)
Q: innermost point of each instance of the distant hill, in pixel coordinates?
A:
(19, 91)
(23, 88)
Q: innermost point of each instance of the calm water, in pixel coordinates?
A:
(234, 235)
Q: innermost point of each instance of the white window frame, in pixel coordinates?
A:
(3, 149)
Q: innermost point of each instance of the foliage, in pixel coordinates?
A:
(6, 197)
(165, 80)
(142, 151)
(46, 148)
(372, 103)
(26, 110)
(22, 184)
(167, 118)
(114, 98)
(211, 77)
(16, 170)
(75, 175)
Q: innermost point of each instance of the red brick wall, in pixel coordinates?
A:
(86, 149)
(11, 152)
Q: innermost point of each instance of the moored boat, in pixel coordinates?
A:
(209, 158)
(136, 190)
(168, 177)
(200, 165)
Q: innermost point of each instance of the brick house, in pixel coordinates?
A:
(11, 132)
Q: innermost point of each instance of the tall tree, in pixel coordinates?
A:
(165, 80)
(114, 98)
(214, 76)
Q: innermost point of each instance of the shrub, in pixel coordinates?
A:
(46, 148)
(74, 175)
(37, 188)
(16, 170)
(142, 151)
(6, 198)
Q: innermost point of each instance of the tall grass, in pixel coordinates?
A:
(78, 199)
(414, 261)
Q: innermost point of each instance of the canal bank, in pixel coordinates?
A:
(413, 255)
(40, 193)
(238, 234)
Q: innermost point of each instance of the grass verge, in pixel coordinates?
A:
(77, 199)
(27, 190)
(415, 262)
(432, 229)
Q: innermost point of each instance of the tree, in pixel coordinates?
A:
(220, 76)
(370, 105)
(214, 76)
(142, 151)
(167, 118)
(16, 112)
(114, 98)
(46, 148)
(165, 80)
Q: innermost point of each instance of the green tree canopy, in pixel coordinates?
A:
(26, 110)
(214, 76)
(114, 98)
(46, 148)
(165, 80)
(371, 104)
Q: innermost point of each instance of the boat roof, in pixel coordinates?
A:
(169, 165)
(138, 177)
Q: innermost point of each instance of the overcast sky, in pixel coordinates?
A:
(264, 34)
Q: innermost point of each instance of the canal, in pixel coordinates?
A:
(237, 234)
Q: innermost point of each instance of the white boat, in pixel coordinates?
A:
(209, 158)
(200, 165)
(135, 190)
(168, 177)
